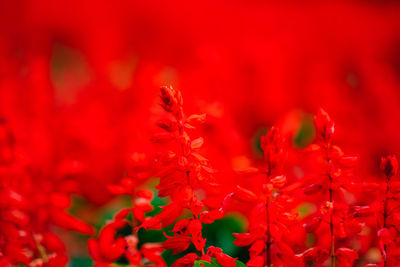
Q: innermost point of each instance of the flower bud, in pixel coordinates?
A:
(389, 165)
(171, 99)
(324, 126)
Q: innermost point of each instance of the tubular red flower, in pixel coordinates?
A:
(177, 244)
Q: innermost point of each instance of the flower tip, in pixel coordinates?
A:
(389, 165)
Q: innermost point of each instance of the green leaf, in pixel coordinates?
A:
(214, 263)
(203, 263)
(240, 264)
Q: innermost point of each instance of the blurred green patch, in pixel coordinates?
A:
(256, 141)
(306, 132)
(305, 209)
(310, 239)
(80, 262)
(301, 125)
(69, 73)
(214, 262)
(219, 234)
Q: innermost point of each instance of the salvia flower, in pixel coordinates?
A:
(332, 180)
(183, 171)
(385, 209)
(269, 221)
(29, 206)
(110, 246)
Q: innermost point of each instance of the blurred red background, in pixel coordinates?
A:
(77, 78)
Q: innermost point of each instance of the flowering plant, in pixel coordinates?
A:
(29, 206)
(185, 175)
(331, 232)
(269, 220)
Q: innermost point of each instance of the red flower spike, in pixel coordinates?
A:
(389, 165)
(268, 217)
(171, 99)
(182, 173)
(384, 212)
(324, 126)
(333, 180)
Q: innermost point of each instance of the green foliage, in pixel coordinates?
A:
(256, 142)
(219, 234)
(81, 262)
(305, 133)
(214, 262)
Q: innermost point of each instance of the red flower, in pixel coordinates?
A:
(222, 258)
(177, 243)
(336, 173)
(389, 165)
(324, 126)
(186, 261)
(268, 220)
(346, 256)
(183, 171)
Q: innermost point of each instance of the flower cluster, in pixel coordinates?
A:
(111, 246)
(332, 183)
(29, 205)
(384, 211)
(185, 176)
(324, 216)
(333, 231)
(269, 220)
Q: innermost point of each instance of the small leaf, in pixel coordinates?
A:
(240, 264)
(215, 262)
(201, 263)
